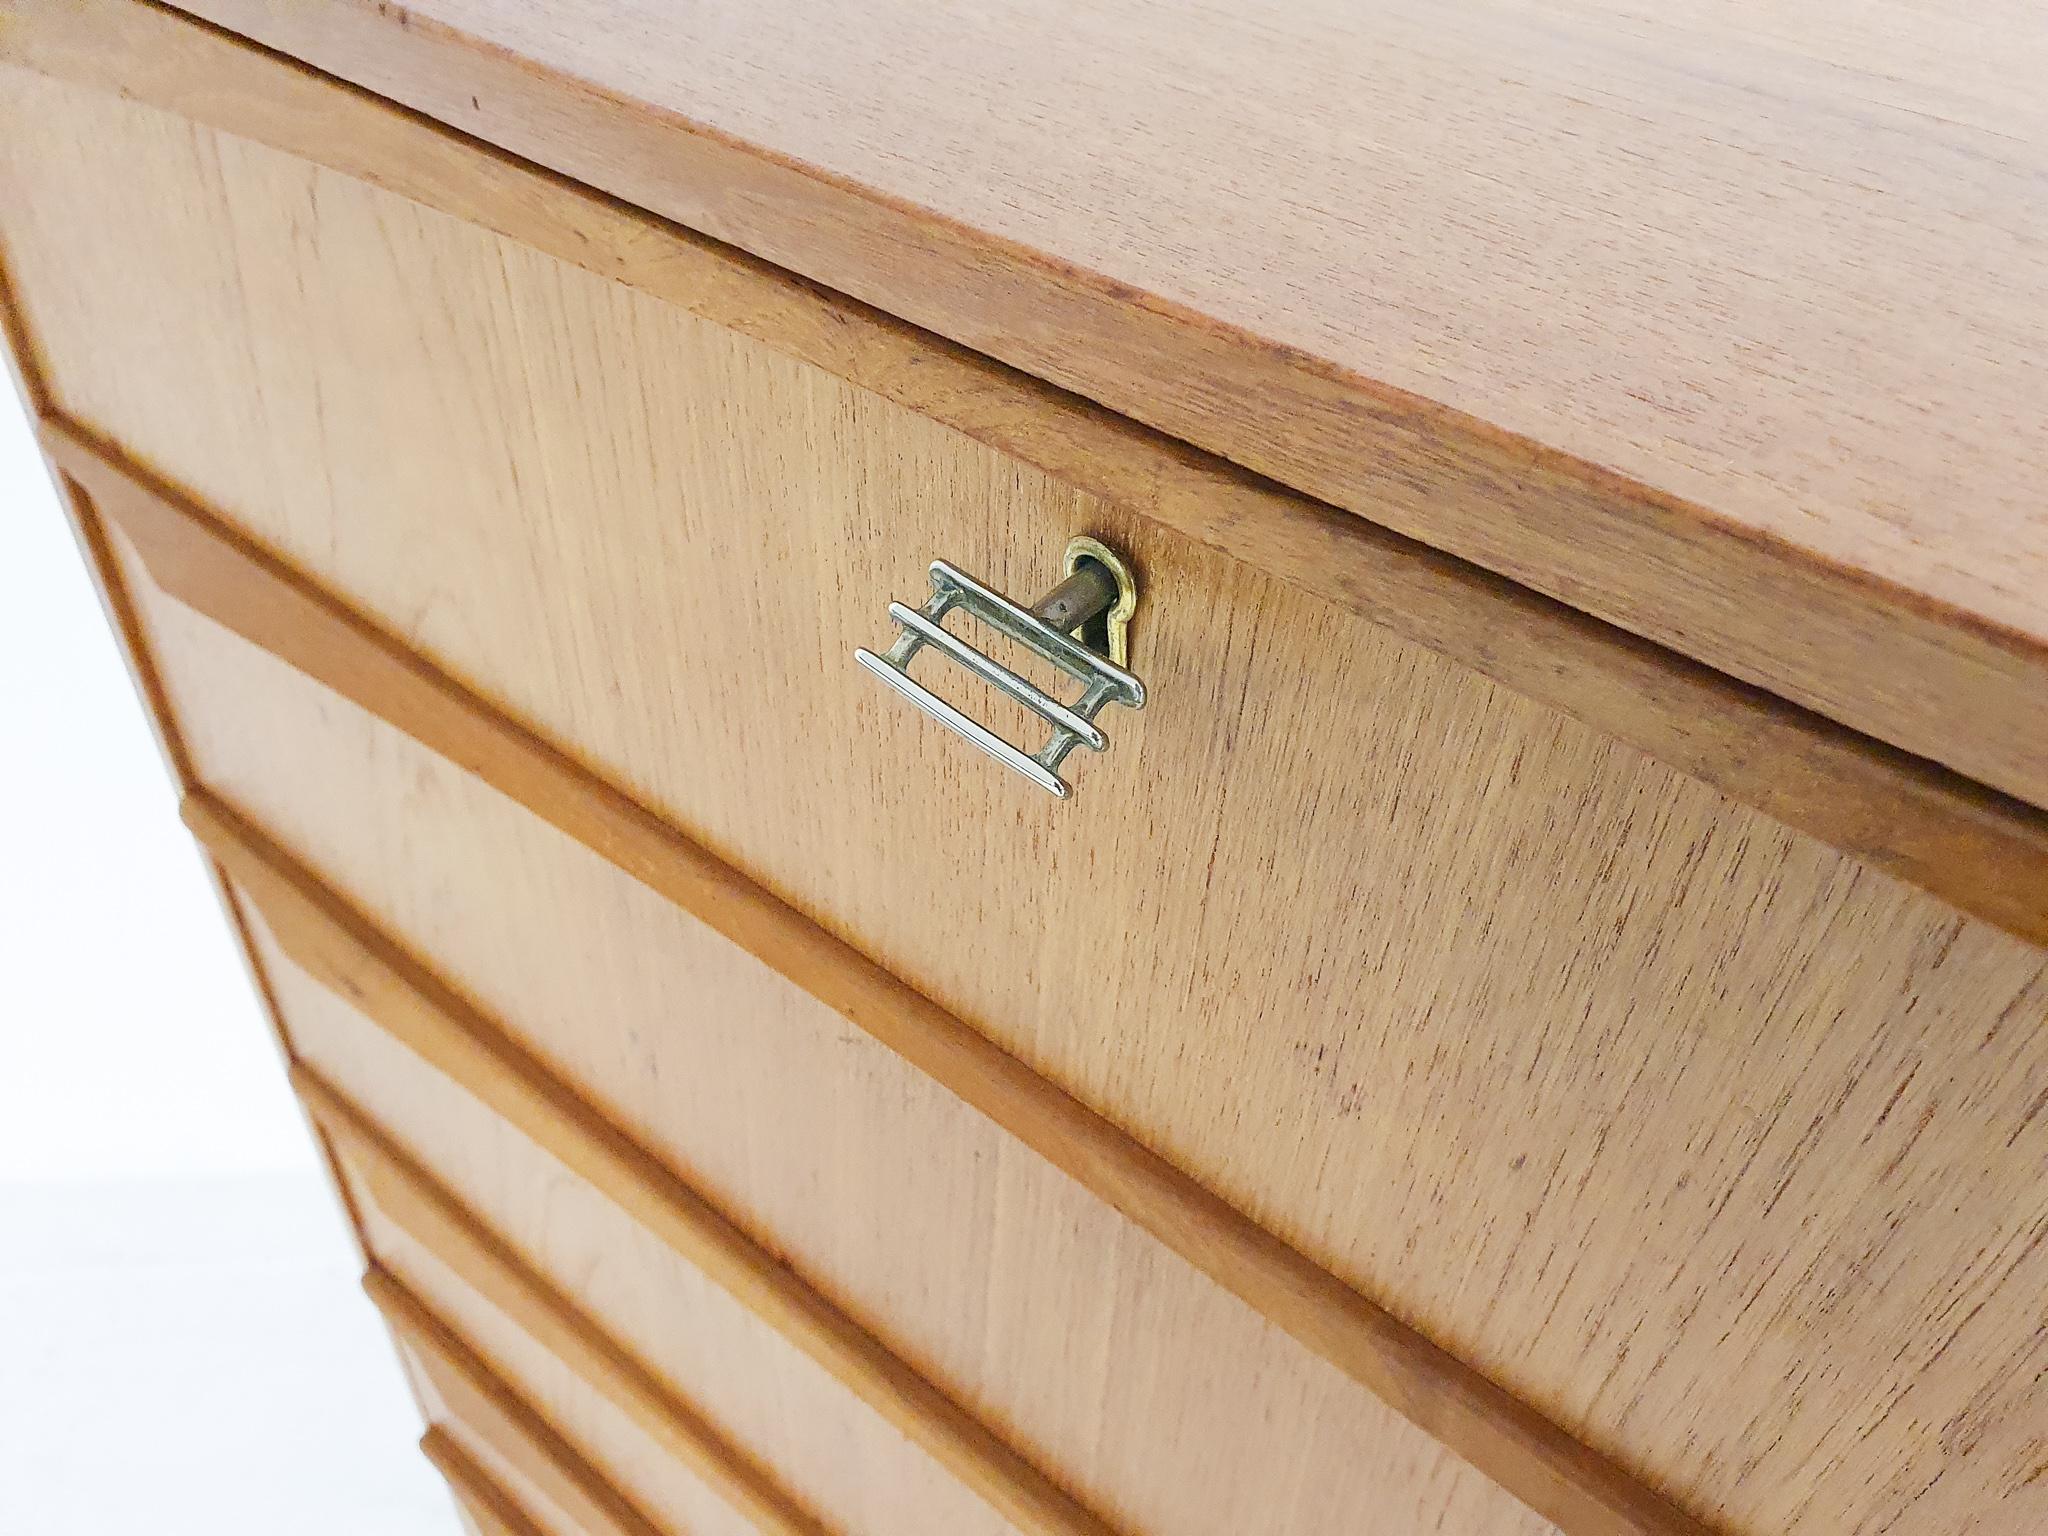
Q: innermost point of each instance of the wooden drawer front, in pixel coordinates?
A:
(833, 1455)
(485, 1506)
(1165, 1403)
(594, 1428)
(1637, 1101)
(468, 1399)
(645, 1472)
(511, 1456)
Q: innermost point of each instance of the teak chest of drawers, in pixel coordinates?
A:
(1537, 1022)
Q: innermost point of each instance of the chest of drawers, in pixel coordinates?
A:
(1535, 1025)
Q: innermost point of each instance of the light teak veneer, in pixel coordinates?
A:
(1397, 1014)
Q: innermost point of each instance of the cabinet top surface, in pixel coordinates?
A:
(1790, 265)
(1724, 322)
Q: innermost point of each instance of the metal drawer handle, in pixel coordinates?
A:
(1093, 603)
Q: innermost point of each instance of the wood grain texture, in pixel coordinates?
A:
(1975, 850)
(434, 1023)
(111, 589)
(1655, 1074)
(1548, 1470)
(490, 1507)
(1173, 1405)
(1652, 1130)
(633, 1460)
(1731, 334)
(500, 1430)
(28, 371)
(406, 1197)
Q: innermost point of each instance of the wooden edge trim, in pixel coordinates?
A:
(1882, 660)
(1978, 849)
(1567, 1482)
(405, 1194)
(26, 364)
(489, 1408)
(344, 952)
(88, 531)
(492, 1509)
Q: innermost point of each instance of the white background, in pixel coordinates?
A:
(184, 1348)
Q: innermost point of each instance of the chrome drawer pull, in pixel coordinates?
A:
(1095, 600)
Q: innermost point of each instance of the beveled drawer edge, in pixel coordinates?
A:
(409, 1197)
(1576, 1487)
(1975, 846)
(342, 950)
(491, 1410)
(491, 1509)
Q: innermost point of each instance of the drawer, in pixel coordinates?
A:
(469, 1402)
(592, 1437)
(1633, 1098)
(590, 1440)
(1166, 1404)
(484, 1507)
(820, 1446)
